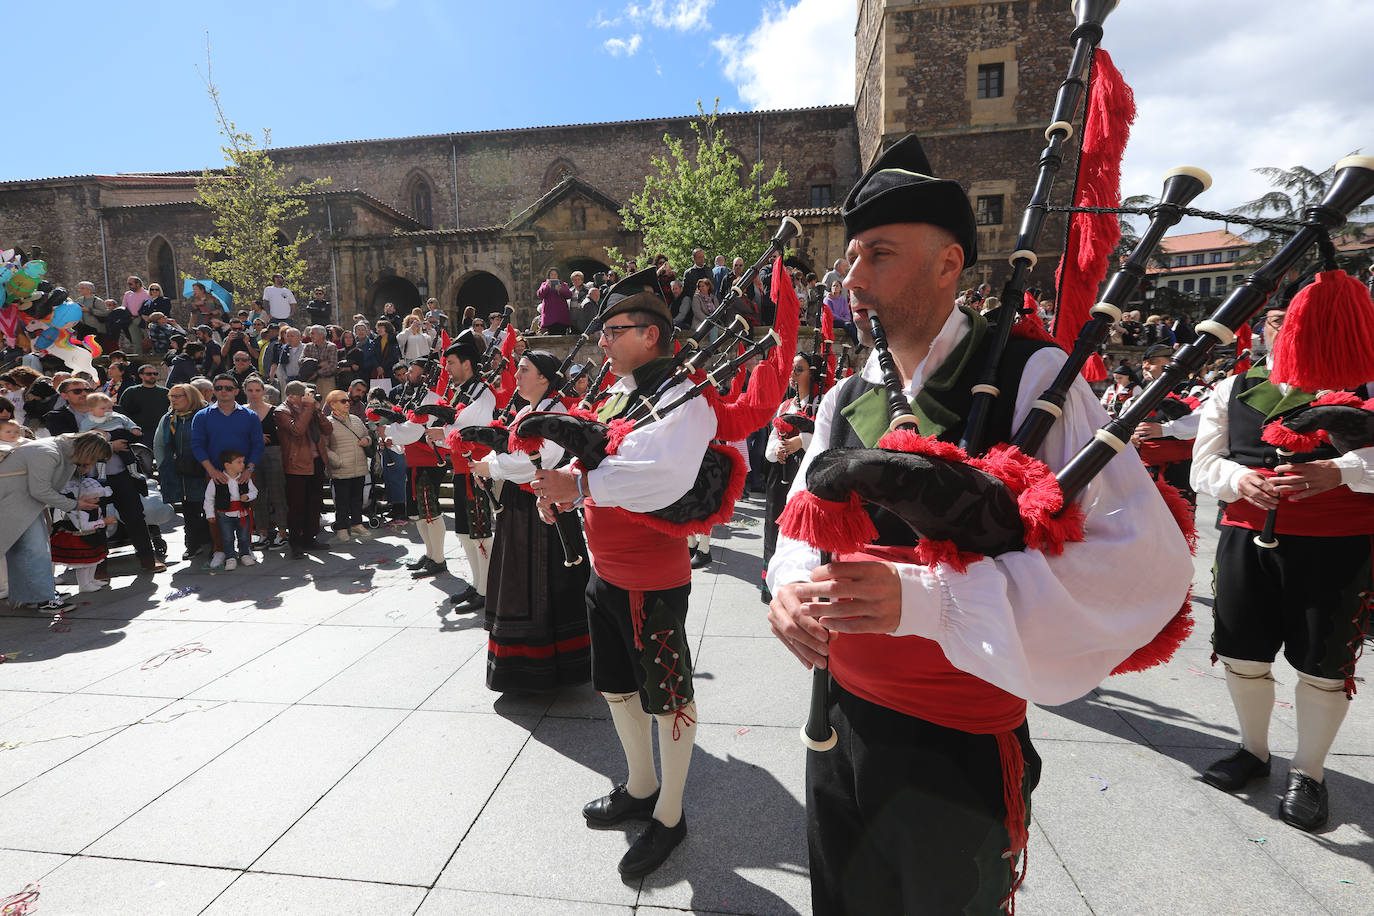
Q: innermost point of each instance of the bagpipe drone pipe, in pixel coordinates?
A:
(968, 501)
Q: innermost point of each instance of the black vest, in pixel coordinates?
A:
(1245, 425)
(957, 399)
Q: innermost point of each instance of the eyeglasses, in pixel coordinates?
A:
(611, 332)
(225, 388)
(798, 370)
(1275, 321)
(77, 391)
(152, 373)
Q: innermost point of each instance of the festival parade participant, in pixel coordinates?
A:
(536, 611)
(426, 466)
(472, 521)
(1165, 440)
(922, 807)
(641, 577)
(1306, 588)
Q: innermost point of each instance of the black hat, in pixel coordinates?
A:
(1158, 350)
(466, 346)
(639, 292)
(899, 188)
(421, 361)
(547, 364)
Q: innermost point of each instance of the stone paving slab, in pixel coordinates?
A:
(92, 886)
(443, 901)
(427, 657)
(300, 896)
(295, 668)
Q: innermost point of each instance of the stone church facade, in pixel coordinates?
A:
(477, 218)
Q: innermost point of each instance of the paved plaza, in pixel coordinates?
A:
(311, 738)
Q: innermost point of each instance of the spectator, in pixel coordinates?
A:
(719, 273)
(698, 271)
(815, 298)
(186, 364)
(146, 402)
(414, 341)
(117, 321)
(269, 516)
(133, 304)
(34, 475)
(226, 424)
(390, 314)
(203, 305)
(116, 378)
(348, 463)
(357, 398)
(699, 306)
(554, 295)
(278, 300)
(288, 367)
(318, 308)
(388, 352)
(237, 341)
(160, 331)
(326, 357)
(92, 321)
(836, 273)
(72, 415)
(583, 314)
(838, 304)
(241, 369)
(301, 429)
(665, 275)
(180, 476)
(350, 361)
(269, 350)
(212, 355)
(435, 315)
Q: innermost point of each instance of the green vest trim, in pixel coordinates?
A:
(1268, 398)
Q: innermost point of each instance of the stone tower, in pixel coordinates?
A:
(976, 81)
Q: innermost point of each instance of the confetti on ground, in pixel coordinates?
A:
(181, 592)
(191, 648)
(8, 657)
(1344, 881)
(362, 590)
(1103, 787)
(11, 745)
(396, 614)
(20, 903)
(1283, 704)
(1257, 840)
(743, 731)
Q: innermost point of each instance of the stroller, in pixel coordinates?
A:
(374, 489)
(140, 465)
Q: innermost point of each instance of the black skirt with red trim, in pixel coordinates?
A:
(74, 549)
(536, 615)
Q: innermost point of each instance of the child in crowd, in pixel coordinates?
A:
(79, 538)
(11, 433)
(229, 504)
(101, 415)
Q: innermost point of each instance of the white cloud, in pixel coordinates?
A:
(682, 15)
(798, 55)
(618, 47)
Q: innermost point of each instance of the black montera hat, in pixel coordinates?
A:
(639, 292)
(465, 346)
(1158, 350)
(899, 188)
(547, 364)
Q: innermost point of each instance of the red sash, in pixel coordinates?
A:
(632, 556)
(421, 454)
(1338, 512)
(912, 675)
(1156, 453)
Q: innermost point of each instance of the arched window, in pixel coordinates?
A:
(559, 169)
(162, 267)
(421, 202)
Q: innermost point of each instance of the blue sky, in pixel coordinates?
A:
(120, 92)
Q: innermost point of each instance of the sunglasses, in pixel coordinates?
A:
(77, 391)
(225, 388)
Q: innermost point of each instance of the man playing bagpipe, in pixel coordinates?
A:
(641, 577)
(1165, 440)
(923, 805)
(425, 467)
(472, 521)
(1304, 582)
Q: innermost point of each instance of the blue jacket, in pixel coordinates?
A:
(212, 431)
(175, 487)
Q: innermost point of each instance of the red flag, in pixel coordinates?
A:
(441, 384)
(828, 335)
(756, 406)
(1092, 236)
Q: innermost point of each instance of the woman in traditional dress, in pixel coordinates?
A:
(786, 446)
(535, 611)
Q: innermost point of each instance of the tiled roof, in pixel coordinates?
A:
(1201, 241)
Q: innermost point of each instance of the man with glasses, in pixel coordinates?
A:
(641, 577)
(225, 425)
(146, 402)
(127, 492)
(241, 369)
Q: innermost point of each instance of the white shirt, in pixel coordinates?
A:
(279, 301)
(658, 463)
(1185, 427)
(517, 466)
(1045, 628)
(234, 493)
(1219, 476)
(479, 413)
(414, 344)
(773, 450)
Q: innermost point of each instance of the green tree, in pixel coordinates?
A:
(251, 203)
(1294, 190)
(694, 197)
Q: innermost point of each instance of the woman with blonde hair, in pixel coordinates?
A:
(180, 476)
(31, 479)
(347, 463)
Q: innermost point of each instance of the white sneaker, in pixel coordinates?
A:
(360, 532)
(343, 535)
(216, 561)
(247, 560)
(231, 564)
(95, 586)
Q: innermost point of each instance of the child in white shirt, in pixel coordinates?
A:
(229, 504)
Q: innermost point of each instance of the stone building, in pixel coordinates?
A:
(477, 218)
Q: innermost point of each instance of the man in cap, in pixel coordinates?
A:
(1306, 592)
(641, 577)
(425, 467)
(1165, 437)
(930, 669)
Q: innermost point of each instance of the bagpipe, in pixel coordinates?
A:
(721, 476)
(968, 501)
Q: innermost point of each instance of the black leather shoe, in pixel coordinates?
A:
(418, 563)
(463, 597)
(1231, 774)
(652, 848)
(701, 559)
(620, 805)
(1304, 805)
(429, 568)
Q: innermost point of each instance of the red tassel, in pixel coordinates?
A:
(584, 413)
(372, 415)
(616, 433)
(414, 417)
(785, 430)
(1094, 370)
(454, 442)
(530, 445)
(637, 616)
(1030, 327)
(734, 489)
(906, 440)
(1166, 642)
(835, 527)
(1327, 339)
(1277, 434)
(930, 552)
(1092, 236)
(1181, 511)
(1339, 399)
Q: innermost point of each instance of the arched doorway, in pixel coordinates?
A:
(484, 292)
(588, 266)
(162, 268)
(399, 291)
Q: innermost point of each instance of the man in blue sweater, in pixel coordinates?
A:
(225, 424)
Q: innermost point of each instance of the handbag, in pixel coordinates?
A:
(370, 450)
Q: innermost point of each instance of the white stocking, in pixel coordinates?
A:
(1321, 705)
(432, 532)
(635, 728)
(478, 553)
(677, 733)
(1252, 692)
(425, 535)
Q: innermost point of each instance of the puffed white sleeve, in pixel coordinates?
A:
(1184, 427)
(1357, 469)
(793, 560)
(1213, 473)
(517, 466)
(657, 464)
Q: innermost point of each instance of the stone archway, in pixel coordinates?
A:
(399, 291)
(483, 291)
(588, 266)
(162, 268)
